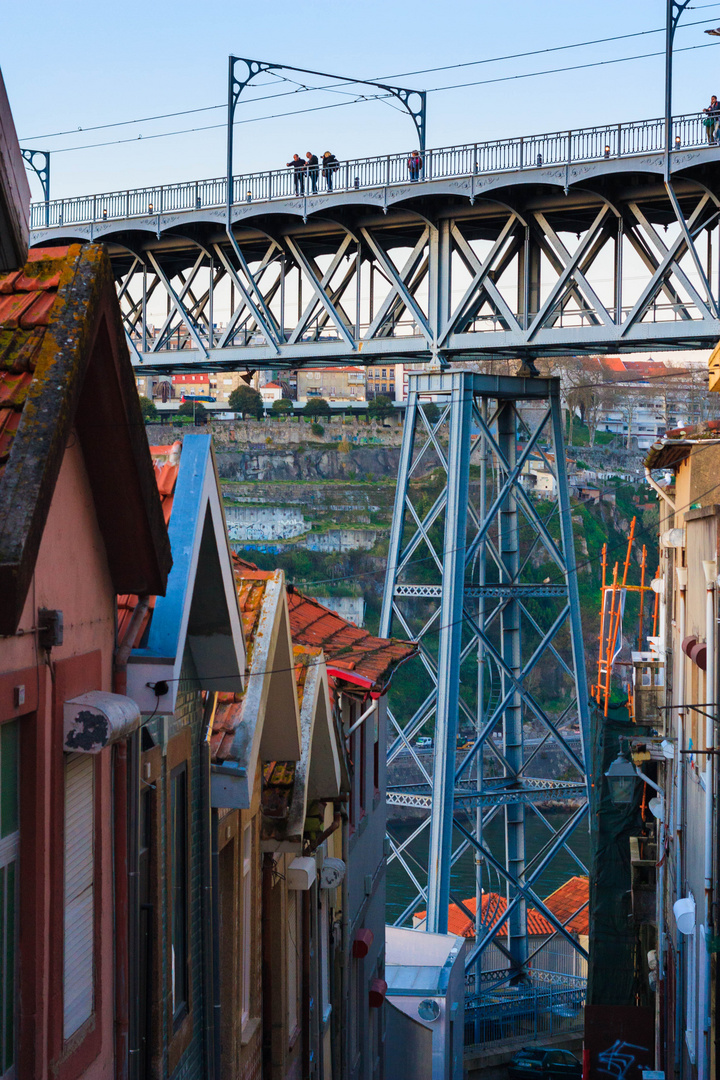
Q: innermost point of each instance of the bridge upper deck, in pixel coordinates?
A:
(602, 146)
(535, 246)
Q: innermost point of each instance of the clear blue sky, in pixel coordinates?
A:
(83, 64)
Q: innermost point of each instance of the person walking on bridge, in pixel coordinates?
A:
(415, 164)
(712, 122)
(313, 170)
(330, 165)
(298, 167)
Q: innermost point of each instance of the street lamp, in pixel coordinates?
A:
(621, 778)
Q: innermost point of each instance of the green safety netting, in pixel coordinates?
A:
(612, 935)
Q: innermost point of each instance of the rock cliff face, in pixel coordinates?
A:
(308, 463)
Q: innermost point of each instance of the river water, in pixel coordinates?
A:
(400, 890)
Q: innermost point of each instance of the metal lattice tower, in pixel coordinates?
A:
(483, 574)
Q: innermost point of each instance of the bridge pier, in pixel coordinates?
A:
(481, 579)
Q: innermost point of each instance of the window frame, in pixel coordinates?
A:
(179, 1009)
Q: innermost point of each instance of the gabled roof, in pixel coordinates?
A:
(290, 787)
(263, 721)
(570, 898)
(352, 654)
(493, 908)
(200, 608)
(64, 366)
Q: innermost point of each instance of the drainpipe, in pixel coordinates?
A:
(682, 577)
(710, 569)
(345, 928)
(210, 911)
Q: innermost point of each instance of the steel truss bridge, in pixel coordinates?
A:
(484, 576)
(542, 245)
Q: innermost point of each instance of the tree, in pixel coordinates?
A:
(246, 401)
(380, 407)
(282, 406)
(432, 413)
(195, 409)
(316, 406)
(148, 409)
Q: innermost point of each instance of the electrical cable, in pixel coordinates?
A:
(332, 660)
(382, 97)
(302, 88)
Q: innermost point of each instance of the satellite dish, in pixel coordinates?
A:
(331, 873)
(428, 1009)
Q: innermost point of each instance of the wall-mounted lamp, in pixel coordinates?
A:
(677, 140)
(621, 778)
(607, 151)
(248, 196)
(150, 208)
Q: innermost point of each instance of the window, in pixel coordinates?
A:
(79, 898)
(293, 962)
(9, 849)
(179, 891)
(246, 922)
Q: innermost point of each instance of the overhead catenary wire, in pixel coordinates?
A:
(302, 88)
(371, 97)
(331, 661)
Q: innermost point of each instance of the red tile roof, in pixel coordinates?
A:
(563, 903)
(26, 300)
(166, 463)
(493, 907)
(351, 653)
(568, 899)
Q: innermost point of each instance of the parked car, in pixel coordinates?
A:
(534, 1063)
(424, 742)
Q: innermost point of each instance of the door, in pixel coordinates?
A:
(9, 851)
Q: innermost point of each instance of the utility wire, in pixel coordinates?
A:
(383, 97)
(447, 67)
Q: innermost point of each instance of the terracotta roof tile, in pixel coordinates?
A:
(493, 907)
(166, 472)
(346, 647)
(566, 900)
(27, 296)
(563, 903)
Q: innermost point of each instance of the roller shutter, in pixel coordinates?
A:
(79, 893)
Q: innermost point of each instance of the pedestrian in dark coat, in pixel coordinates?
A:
(313, 170)
(298, 167)
(415, 164)
(330, 165)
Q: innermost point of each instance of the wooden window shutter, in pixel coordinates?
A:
(78, 937)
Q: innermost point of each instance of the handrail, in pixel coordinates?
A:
(468, 159)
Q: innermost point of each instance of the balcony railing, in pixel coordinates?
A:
(471, 159)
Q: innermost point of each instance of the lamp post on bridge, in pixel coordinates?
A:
(674, 11)
(413, 101)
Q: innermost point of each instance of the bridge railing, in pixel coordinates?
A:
(499, 155)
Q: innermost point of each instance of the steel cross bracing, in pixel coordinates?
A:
(482, 572)
(435, 273)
